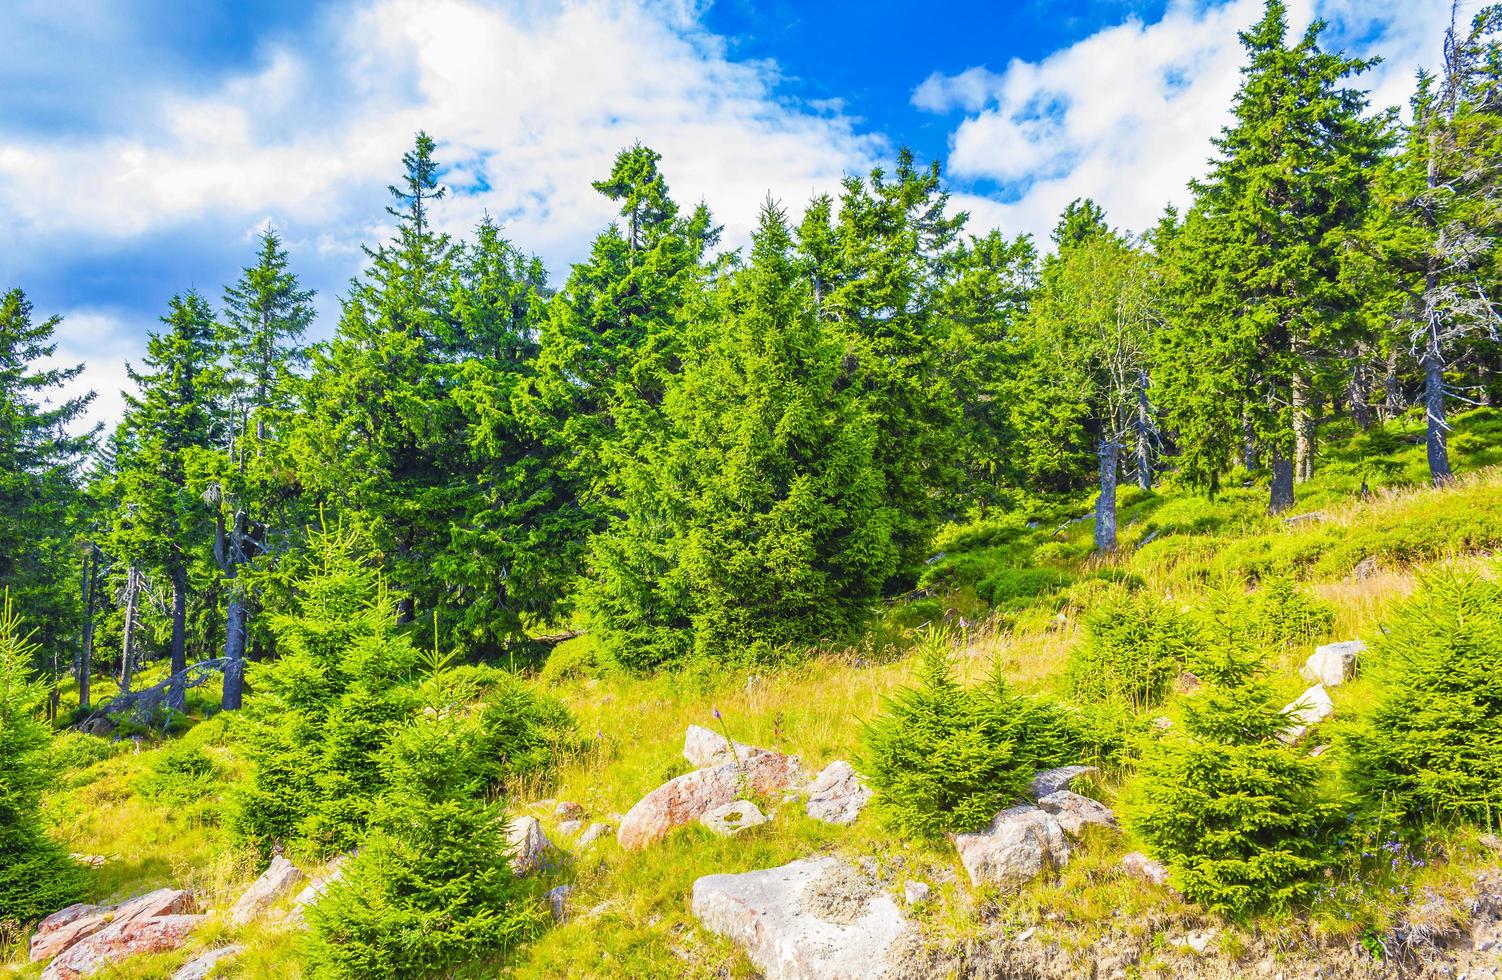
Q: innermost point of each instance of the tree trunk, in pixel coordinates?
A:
(85, 664)
(1360, 390)
(1249, 460)
(1434, 411)
(1392, 390)
(1144, 435)
(1303, 428)
(234, 650)
(177, 697)
(1281, 497)
(132, 590)
(1105, 504)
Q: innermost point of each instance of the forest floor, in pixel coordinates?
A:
(630, 911)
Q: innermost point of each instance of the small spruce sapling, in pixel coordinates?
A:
(1239, 817)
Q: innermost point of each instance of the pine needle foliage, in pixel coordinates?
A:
(1432, 746)
(36, 875)
(945, 759)
(1134, 646)
(1238, 815)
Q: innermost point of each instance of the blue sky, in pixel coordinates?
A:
(144, 144)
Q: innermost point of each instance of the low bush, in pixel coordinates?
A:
(1285, 615)
(1011, 589)
(1237, 815)
(572, 659)
(944, 759)
(1134, 646)
(1432, 745)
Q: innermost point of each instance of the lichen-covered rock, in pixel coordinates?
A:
(1021, 843)
(816, 918)
(591, 834)
(63, 929)
(1334, 663)
(198, 968)
(838, 794)
(570, 827)
(703, 748)
(558, 902)
(915, 892)
(1053, 780)
(1311, 708)
(683, 800)
(1140, 866)
(279, 878)
(121, 940)
(568, 811)
(332, 872)
(734, 817)
(529, 846)
(1075, 812)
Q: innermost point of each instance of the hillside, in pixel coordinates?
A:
(1018, 596)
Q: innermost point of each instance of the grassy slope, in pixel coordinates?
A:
(634, 916)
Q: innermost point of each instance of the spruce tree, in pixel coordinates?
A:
(161, 524)
(265, 316)
(1262, 301)
(40, 462)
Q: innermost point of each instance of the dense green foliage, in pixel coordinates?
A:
(1237, 814)
(945, 758)
(1134, 647)
(36, 875)
(1431, 748)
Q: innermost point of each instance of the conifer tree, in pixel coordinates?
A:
(36, 875)
(173, 415)
(1090, 329)
(1445, 224)
(39, 470)
(266, 314)
(1263, 302)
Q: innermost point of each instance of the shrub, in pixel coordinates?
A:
(182, 775)
(431, 888)
(1432, 746)
(1134, 647)
(1285, 615)
(1236, 814)
(572, 659)
(36, 875)
(945, 759)
(1010, 589)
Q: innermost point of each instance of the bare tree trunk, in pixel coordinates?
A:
(127, 643)
(1105, 505)
(1360, 389)
(1144, 435)
(85, 664)
(234, 650)
(1249, 461)
(1281, 496)
(177, 697)
(1437, 429)
(1303, 428)
(1392, 390)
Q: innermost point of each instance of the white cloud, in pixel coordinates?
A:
(103, 342)
(1126, 115)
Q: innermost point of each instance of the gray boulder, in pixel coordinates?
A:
(683, 800)
(838, 794)
(703, 747)
(529, 846)
(1021, 843)
(732, 818)
(198, 968)
(1334, 663)
(1075, 812)
(1311, 708)
(591, 834)
(817, 918)
(1053, 780)
(279, 878)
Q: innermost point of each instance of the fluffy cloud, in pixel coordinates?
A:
(1126, 115)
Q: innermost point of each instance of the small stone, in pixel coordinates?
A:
(1491, 842)
(1334, 663)
(1365, 569)
(1162, 723)
(1139, 865)
(1053, 780)
(278, 879)
(1075, 812)
(732, 818)
(1318, 751)
(529, 845)
(198, 968)
(838, 794)
(1026, 934)
(915, 892)
(1188, 682)
(558, 902)
(703, 748)
(568, 811)
(92, 860)
(571, 827)
(1200, 941)
(591, 834)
